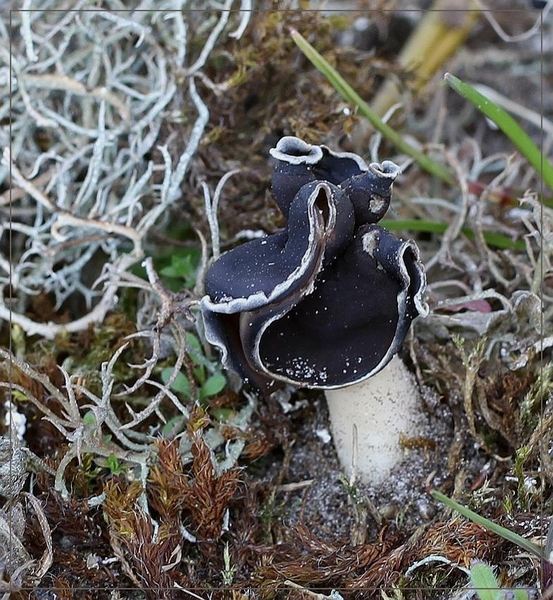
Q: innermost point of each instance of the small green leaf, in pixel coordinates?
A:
(484, 582)
(113, 464)
(89, 418)
(222, 414)
(181, 385)
(193, 342)
(170, 270)
(213, 385)
(199, 374)
(171, 425)
(486, 586)
(194, 349)
(177, 266)
(522, 141)
(184, 267)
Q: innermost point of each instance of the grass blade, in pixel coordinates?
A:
(495, 240)
(503, 532)
(350, 95)
(508, 126)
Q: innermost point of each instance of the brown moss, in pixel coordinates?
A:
(368, 568)
(201, 493)
(78, 532)
(149, 554)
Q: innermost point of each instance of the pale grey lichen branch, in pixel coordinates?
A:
(99, 85)
(165, 389)
(26, 31)
(203, 117)
(178, 35)
(210, 42)
(83, 434)
(454, 229)
(130, 24)
(64, 83)
(211, 208)
(47, 558)
(245, 14)
(92, 170)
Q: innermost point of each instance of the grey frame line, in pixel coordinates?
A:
(541, 18)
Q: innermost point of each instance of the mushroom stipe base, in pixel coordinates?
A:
(381, 409)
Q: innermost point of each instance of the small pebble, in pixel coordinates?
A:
(388, 511)
(426, 510)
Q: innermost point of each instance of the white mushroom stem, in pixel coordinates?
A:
(380, 409)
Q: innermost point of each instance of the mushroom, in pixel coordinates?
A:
(327, 302)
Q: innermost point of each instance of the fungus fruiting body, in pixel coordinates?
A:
(326, 302)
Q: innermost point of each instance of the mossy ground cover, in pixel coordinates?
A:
(133, 466)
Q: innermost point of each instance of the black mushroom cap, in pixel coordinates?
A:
(327, 301)
(368, 186)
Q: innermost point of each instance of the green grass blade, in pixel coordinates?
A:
(508, 126)
(495, 240)
(503, 532)
(350, 95)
